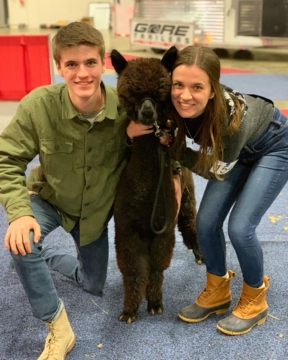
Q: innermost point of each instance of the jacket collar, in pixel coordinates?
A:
(226, 92)
(109, 111)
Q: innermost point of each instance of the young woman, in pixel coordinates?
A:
(243, 151)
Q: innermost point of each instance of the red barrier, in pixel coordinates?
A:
(24, 64)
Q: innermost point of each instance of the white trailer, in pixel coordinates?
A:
(221, 24)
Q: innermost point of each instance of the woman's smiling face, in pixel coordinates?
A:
(191, 90)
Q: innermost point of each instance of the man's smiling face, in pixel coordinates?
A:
(82, 69)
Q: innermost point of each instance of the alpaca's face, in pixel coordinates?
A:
(147, 112)
(144, 87)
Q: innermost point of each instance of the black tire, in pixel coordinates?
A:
(158, 51)
(222, 53)
(243, 55)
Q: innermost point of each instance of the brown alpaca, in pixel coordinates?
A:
(145, 205)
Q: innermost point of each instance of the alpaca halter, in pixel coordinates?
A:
(159, 132)
(167, 132)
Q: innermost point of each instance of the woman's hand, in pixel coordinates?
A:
(166, 138)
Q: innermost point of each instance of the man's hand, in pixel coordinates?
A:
(177, 185)
(135, 129)
(17, 236)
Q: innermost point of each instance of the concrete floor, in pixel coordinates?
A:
(265, 60)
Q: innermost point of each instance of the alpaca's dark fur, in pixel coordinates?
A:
(144, 91)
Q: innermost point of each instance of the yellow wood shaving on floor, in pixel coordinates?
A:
(274, 317)
(275, 218)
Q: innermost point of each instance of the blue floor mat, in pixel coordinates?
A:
(272, 86)
(162, 337)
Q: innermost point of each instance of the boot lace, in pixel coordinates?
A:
(205, 293)
(51, 346)
(244, 304)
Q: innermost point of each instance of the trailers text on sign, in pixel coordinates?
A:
(161, 34)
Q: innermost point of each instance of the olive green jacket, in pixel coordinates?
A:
(80, 163)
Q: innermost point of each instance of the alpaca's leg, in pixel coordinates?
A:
(133, 262)
(187, 218)
(161, 251)
(134, 292)
(154, 292)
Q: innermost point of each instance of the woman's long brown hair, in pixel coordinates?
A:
(216, 112)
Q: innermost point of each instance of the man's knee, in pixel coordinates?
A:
(95, 289)
(93, 284)
(35, 251)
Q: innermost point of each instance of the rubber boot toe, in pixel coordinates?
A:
(232, 325)
(196, 313)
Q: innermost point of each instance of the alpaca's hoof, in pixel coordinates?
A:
(199, 261)
(129, 318)
(155, 309)
(198, 257)
(158, 310)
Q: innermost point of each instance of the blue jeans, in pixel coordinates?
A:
(89, 269)
(251, 186)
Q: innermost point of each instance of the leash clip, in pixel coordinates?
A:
(158, 131)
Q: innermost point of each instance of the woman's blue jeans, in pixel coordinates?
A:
(251, 186)
(89, 269)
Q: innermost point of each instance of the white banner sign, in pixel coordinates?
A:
(161, 34)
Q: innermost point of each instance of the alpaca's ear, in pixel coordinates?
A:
(118, 61)
(169, 58)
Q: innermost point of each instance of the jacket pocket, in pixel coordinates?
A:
(57, 157)
(114, 152)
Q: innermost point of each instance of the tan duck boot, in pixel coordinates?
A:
(214, 298)
(251, 310)
(60, 339)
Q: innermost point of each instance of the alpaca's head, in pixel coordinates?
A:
(144, 86)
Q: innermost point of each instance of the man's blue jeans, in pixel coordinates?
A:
(89, 269)
(251, 186)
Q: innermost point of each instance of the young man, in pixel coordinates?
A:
(78, 130)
